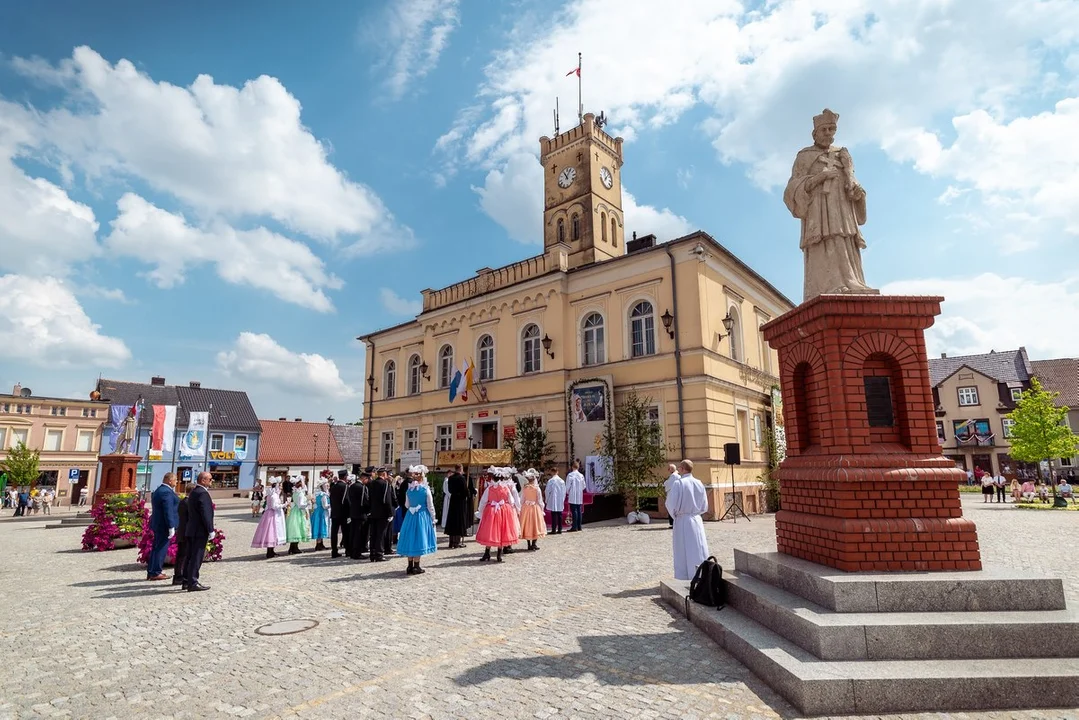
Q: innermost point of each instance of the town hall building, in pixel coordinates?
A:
(564, 335)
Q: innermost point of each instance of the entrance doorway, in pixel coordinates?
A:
(77, 488)
(485, 435)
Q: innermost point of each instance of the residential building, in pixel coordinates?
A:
(1062, 376)
(350, 442)
(972, 394)
(295, 447)
(67, 432)
(233, 432)
(564, 335)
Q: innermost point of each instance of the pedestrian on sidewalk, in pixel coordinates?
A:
(164, 517)
(555, 494)
(686, 503)
(200, 523)
(575, 490)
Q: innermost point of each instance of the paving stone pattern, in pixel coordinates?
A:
(575, 630)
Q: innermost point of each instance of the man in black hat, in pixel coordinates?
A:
(382, 503)
(337, 512)
(359, 505)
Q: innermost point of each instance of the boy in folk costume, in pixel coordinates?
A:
(555, 493)
(417, 537)
(271, 528)
(498, 516)
(320, 515)
(296, 527)
(533, 526)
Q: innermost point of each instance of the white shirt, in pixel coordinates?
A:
(556, 494)
(575, 488)
(669, 481)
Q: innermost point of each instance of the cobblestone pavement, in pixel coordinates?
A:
(574, 630)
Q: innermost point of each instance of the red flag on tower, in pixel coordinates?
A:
(575, 71)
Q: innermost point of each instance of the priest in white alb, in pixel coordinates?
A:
(686, 502)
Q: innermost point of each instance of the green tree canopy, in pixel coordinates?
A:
(21, 465)
(530, 446)
(635, 447)
(1041, 429)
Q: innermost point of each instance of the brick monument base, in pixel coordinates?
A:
(864, 485)
(118, 474)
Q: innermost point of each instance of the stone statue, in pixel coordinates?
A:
(127, 435)
(824, 195)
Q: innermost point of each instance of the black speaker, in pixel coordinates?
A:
(731, 454)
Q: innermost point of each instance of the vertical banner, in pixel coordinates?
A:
(193, 443)
(169, 431)
(157, 430)
(117, 414)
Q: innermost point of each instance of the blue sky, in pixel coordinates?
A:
(232, 192)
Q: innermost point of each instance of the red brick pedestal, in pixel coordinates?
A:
(861, 490)
(118, 473)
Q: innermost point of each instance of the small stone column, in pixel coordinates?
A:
(118, 473)
(864, 485)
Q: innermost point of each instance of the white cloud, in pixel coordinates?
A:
(104, 293)
(413, 34)
(644, 219)
(990, 312)
(259, 358)
(222, 150)
(41, 322)
(397, 305)
(892, 68)
(258, 258)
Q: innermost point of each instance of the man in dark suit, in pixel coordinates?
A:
(181, 537)
(358, 508)
(163, 522)
(337, 512)
(200, 523)
(382, 503)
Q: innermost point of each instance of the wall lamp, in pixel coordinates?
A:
(371, 383)
(547, 342)
(668, 320)
(424, 369)
(728, 325)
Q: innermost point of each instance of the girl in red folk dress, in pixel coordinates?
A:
(498, 515)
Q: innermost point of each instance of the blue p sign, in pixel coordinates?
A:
(73, 474)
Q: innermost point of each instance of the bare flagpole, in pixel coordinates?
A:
(580, 104)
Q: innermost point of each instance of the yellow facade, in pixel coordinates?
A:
(564, 295)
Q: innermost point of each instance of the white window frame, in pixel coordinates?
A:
(598, 340)
(741, 419)
(445, 366)
(737, 350)
(237, 437)
(412, 439)
(942, 432)
(1065, 462)
(220, 437)
(972, 392)
(444, 441)
(389, 379)
(415, 377)
(53, 432)
(15, 437)
(386, 447)
(762, 344)
(3, 437)
(531, 349)
(758, 430)
(1006, 426)
(89, 445)
(1016, 394)
(647, 321)
(487, 365)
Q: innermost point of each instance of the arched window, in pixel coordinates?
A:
(642, 330)
(576, 226)
(486, 347)
(592, 339)
(561, 231)
(614, 232)
(737, 353)
(389, 380)
(445, 366)
(414, 375)
(603, 226)
(530, 350)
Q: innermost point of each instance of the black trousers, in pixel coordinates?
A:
(556, 522)
(196, 553)
(181, 559)
(358, 535)
(337, 525)
(1000, 494)
(380, 539)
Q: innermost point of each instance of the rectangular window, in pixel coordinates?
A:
(19, 435)
(53, 438)
(968, 396)
(6, 407)
(1008, 424)
(412, 439)
(941, 437)
(1017, 394)
(58, 411)
(1066, 462)
(217, 442)
(387, 448)
(743, 435)
(3, 437)
(444, 437)
(85, 441)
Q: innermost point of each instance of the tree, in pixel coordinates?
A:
(530, 446)
(769, 477)
(635, 448)
(21, 465)
(1041, 429)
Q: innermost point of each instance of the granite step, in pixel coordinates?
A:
(991, 589)
(829, 687)
(905, 636)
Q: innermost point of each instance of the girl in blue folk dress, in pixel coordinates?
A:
(320, 515)
(417, 537)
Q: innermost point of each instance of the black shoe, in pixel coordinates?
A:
(419, 570)
(335, 555)
(198, 587)
(178, 581)
(499, 559)
(486, 557)
(508, 551)
(183, 586)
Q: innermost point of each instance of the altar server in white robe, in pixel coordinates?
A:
(686, 502)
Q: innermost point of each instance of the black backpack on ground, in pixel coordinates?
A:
(707, 586)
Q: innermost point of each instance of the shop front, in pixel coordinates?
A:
(224, 466)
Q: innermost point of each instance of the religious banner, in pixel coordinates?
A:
(193, 443)
(597, 478)
(590, 412)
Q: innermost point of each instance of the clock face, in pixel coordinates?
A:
(605, 177)
(566, 177)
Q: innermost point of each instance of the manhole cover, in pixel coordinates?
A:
(286, 627)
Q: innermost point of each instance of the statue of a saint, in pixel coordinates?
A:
(127, 435)
(824, 195)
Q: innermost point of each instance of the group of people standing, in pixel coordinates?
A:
(30, 502)
(191, 520)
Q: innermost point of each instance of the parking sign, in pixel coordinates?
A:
(73, 475)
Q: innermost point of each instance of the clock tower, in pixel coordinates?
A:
(582, 193)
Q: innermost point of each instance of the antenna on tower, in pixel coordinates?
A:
(556, 133)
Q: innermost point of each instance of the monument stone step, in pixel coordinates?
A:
(825, 687)
(904, 636)
(991, 589)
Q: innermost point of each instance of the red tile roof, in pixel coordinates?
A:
(286, 442)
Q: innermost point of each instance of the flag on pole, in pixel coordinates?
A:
(117, 413)
(193, 443)
(170, 428)
(575, 71)
(466, 378)
(163, 429)
(455, 384)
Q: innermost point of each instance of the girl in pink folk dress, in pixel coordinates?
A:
(499, 526)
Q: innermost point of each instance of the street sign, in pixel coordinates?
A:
(187, 473)
(73, 475)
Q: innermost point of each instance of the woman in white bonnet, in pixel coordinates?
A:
(271, 528)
